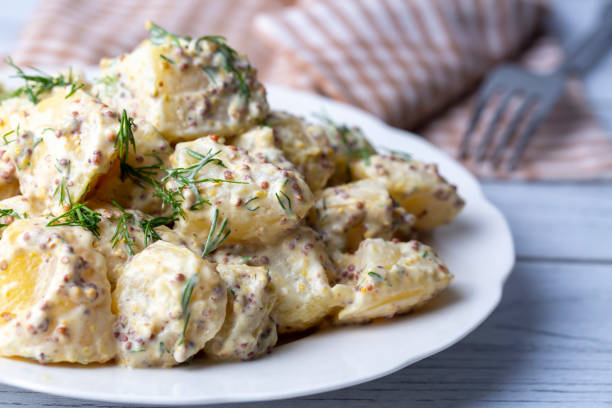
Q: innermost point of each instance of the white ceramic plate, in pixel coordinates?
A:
(477, 247)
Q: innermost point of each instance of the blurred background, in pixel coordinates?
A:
(412, 63)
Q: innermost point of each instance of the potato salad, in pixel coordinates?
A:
(164, 212)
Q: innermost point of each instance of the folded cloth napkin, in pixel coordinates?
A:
(406, 61)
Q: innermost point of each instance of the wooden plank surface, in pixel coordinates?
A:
(548, 344)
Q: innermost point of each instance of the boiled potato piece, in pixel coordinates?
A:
(347, 214)
(299, 266)
(304, 144)
(348, 144)
(152, 149)
(416, 186)
(383, 279)
(55, 301)
(259, 200)
(184, 87)
(123, 234)
(259, 143)
(15, 208)
(13, 115)
(169, 303)
(248, 331)
(65, 146)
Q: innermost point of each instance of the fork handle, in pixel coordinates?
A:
(593, 47)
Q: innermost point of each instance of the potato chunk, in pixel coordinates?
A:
(151, 149)
(184, 88)
(123, 234)
(348, 144)
(169, 303)
(416, 186)
(15, 208)
(55, 301)
(384, 278)
(259, 200)
(347, 214)
(65, 146)
(259, 143)
(248, 331)
(304, 144)
(299, 266)
(13, 115)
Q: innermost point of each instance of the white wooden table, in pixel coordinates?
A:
(548, 344)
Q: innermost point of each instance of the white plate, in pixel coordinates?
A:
(477, 247)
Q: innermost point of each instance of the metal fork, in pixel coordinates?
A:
(537, 93)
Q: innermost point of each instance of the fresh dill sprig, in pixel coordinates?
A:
(143, 174)
(8, 212)
(285, 203)
(148, 228)
(79, 215)
(170, 198)
(215, 237)
(348, 138)
(376, 276)
(230, 56)
(169, 60)
(62, 187)
(210, 72)
(122, 232)
(247, 202)
(185, 300)
(159, 35)
(185, 177)
(15, 131)
(40, 83)
(125, 138)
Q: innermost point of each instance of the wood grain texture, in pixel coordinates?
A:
(548, 344)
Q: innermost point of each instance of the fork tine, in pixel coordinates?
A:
(483, 96)
(527, 135)
(511, 128)
(482, 147)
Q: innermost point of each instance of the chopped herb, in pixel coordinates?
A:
(232, 291)
(185, 300)
(16, 131)
(9, 212)
(246, 204)
(36, 142)
(108, 80)
(376, 276)
(424, 254)
(187, 294)
(171, 61)
(185, 177)
(402, 155)
(160, 36)
(182, 338)
(215, 238)
(79, 215)
(285, 203)
(40, 83)
(211, 72)
(137, 351)
(125, 138)
(122, 231)
(163, 348)
(229, 61)
(148, 228)
(246, 258)
(170, 198)
(62, 187)
(141, 174)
